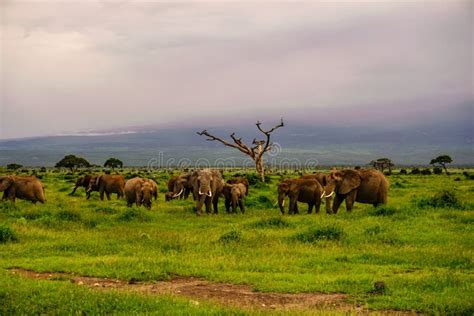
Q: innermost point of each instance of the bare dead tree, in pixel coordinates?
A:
(259, 147)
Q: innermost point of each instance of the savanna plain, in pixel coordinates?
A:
(418, 248)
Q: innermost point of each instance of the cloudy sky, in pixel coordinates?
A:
(69, 66)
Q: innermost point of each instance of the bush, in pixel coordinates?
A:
(132, 214)
(231, 236)
(272, 222)
(442, 199)
(7, 234)
(403, 171)
(437, 170)
(415, 171)
(383, 211)
(426, 172)
(322, 233)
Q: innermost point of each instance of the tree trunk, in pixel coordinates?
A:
(260, 169)
(445, 169)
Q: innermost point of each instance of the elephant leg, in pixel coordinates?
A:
(310, 207)
(375, 204)
(215, 202)
(317, 206)
(88, 195)
(242, 206)
(108, 195)
(207, 201)
(293, 207)
(350, 200)
(101, 195)
(337, 202)
(227, 205)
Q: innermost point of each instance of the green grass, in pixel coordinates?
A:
(422, 252)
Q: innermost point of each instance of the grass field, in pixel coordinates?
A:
(420, 247)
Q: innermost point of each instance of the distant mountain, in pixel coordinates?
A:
(296, 145)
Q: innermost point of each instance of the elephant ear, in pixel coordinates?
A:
(97, 181)
(351, 181)
(5, 183)
(324, 180)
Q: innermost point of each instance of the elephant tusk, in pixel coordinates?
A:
(210, 194)
(200, 193)
(328, 196)
(283, 204)
(322, 195)
(178, 194)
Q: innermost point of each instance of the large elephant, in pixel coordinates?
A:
(82, 182)
(242, 180)
(140, 191)
(23, 188)
(322, 179)
(108, 184)
(234, 194)
(207, 188)
(300, 190)
(363, 185)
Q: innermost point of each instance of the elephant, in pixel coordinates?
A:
(242, 180)
(322, 179)
(23, 188)
(108, 184)
(82, 182)
(140, 191)
(207, 188)
(300, 190)
(179, 187)
(234, 194)
(364, 186)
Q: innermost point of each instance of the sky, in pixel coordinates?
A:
(69, 66)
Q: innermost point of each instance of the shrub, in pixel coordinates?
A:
(66, 215)
(272, 222)
(403, 171)
(383, 211)
(7, 234)
(437, 170)
(260, 201)
(231, 236)
(415, 171)
(426, 172)
(442, 199)
(322, 233)
(132, 214)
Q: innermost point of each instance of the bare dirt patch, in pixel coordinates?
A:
(199, 290)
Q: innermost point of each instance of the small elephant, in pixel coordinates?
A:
(207, 188)
(23, 188)
(363, 186)
(300, 190)
(234, 194)
(140, 191)
(242, 180)
(108, 184)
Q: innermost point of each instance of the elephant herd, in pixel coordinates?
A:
(207, 186)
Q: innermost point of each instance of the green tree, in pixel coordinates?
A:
(73, 162)
(113, 163)
(442, 161)
(14, 166)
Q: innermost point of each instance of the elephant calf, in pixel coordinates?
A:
(234, 194)
(140, 191)
(23, 188)
(300, 190)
